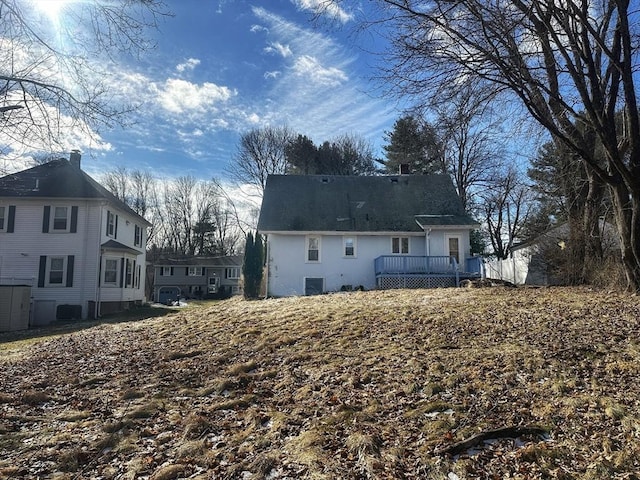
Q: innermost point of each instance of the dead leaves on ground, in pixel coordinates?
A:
(354, 385)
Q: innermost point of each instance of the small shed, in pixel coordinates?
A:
(15, 305)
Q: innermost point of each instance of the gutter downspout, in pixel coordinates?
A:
(96, 312)
(266, 282)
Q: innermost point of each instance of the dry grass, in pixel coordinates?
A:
(355, 385)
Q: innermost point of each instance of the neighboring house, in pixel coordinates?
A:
(80, 249)
(535, 261)
(328, 233)
(196, 277)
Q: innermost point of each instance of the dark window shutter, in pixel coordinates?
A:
(161, 271)
(121, 272)
(186, 271)
(45, 219)
(107, 226)
(42, 271)
(115, 232)
(133, 274)
(12, 218)
(171, 270)
(74, 220)
(70, 259)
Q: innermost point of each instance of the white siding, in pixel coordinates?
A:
(21, 250)
(287, 265)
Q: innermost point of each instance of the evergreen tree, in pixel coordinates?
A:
(253, 265)
(416, 144)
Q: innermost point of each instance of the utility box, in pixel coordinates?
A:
(15, 305)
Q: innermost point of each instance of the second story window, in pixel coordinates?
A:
(112, 222)
(232, 272)
(2, 218)
(194, 271)
(137, 236)
(60, 218)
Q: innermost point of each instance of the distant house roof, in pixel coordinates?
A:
(200, 261)
(58, 179)
(390, 203)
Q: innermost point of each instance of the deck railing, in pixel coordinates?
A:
(422, 265)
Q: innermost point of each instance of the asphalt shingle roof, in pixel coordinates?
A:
(390, 203)
(57, 179)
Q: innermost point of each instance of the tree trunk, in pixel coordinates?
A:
(627, 215)
(593, 254)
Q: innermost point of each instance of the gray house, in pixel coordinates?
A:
(196, 277)
(328, 233)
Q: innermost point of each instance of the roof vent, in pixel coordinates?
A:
(37, 187)
(325, 180)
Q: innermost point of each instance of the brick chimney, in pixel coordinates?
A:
(404, 169)
(74, 158)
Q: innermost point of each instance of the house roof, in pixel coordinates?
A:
(119, 247)
(225, 261)
(390, 203)
(58, 179)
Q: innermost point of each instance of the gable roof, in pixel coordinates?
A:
(58, 179)
(390, 203)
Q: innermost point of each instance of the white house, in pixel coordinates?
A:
(80, 249)
(328, 233)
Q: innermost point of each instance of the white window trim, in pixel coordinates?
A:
(195, 272)
(104, 272)
(232, 273)
(355, 247)
(5, 218)
(166, 271)
(306, 248)
(128, 273)
(52, 219)
(137, 239)
(111, 224)
(400, 252)
(47, 272)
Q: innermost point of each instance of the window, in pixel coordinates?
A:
(112, 224)
(349, 244)
(128, 273)
(313, 286)
(166, 271)
(313, 249)
(60, 220)
(55, 274)
(138, 276)
(400, 245)
(56, 271)
(232, 272)
(2, 219)
(137, 236)
(111, 271)
(194, 271)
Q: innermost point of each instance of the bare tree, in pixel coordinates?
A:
(44, 89)
(567, 63)
(469, 131)
(261, 152)
(506, 206)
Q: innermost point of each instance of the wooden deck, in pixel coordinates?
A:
(406, 271)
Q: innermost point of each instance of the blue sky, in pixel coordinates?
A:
(222, 67)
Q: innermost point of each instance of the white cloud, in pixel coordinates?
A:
(310, 68)
(276, 47)
(258, 28)
(329, 8)
(180, 96)
(190, 64)
(272, 74)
